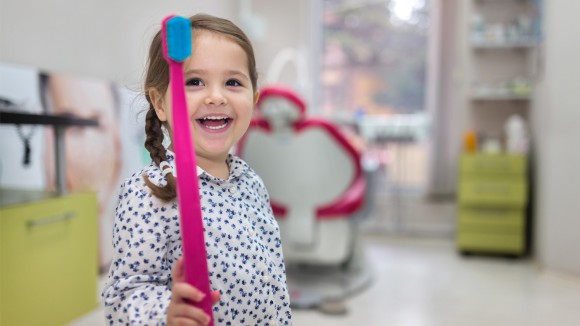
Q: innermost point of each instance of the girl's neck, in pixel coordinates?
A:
(216, 167)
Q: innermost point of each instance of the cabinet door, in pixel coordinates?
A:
(514, 166)
(48, 256)
(495, 192)
(491, 242)
(500, 220)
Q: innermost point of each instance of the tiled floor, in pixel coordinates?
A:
(423, 282)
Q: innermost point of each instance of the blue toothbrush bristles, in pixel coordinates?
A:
(178, 33)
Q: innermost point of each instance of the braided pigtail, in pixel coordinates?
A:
(158, 153)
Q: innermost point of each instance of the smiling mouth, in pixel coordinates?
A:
(215, 122)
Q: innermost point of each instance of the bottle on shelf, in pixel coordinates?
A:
(516, 135)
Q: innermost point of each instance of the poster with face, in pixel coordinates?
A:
(97, 158)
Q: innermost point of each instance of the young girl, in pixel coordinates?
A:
(146, 284)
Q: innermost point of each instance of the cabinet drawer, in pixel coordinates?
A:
(493, 220)
(482, 164)
(491, 242)
(493, 192)
(48, 255)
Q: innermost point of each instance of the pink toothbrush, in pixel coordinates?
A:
(176, 40)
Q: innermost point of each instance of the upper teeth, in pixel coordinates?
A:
(214, 118)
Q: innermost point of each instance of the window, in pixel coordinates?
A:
(373, 79)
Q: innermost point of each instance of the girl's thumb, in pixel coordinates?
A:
(177, 272)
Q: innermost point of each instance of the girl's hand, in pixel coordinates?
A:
(180, 312)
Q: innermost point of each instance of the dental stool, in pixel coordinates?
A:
(317, 186)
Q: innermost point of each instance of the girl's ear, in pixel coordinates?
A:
(157, 102)
(256, 97)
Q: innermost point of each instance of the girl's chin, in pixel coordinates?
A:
(213, 151)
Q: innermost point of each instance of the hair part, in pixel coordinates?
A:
(157, 78)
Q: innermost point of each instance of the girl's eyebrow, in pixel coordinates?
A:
(237, 73)
(195, 72)
(231, 72)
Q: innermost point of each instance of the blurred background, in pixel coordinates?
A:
(464, 113)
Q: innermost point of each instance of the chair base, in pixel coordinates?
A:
(333, 245)
(314, 287)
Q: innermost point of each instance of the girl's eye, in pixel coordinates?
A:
(233, 82)
(194, 82)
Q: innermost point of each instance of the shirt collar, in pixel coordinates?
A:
(236, 165)
(171, 160)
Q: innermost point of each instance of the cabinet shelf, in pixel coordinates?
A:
(523, 44)
(498, 97)
(520, 91)
(59, 122)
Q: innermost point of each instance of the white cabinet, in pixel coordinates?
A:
(501, 58)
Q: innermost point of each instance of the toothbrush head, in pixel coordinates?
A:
(176, 38)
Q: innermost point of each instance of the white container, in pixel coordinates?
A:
(517, 138)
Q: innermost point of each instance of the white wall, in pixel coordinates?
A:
(109, 39)
(557, 133)
(288, 29)
(104, 39)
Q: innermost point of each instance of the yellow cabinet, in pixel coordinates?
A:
(48, 259)
(492, 203)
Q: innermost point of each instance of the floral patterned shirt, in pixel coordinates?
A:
(244, 251)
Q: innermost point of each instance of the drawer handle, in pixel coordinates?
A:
(495, 189)
(492, 165)
(52, 219)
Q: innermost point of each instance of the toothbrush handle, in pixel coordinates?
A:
(192, 235)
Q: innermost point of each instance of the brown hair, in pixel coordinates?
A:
(157, 77)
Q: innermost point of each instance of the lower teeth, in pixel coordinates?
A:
(216, 127)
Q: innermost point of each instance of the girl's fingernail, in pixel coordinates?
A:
(200, 296)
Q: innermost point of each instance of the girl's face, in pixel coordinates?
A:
(220, 96)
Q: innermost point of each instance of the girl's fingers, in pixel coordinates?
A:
(181, 308)
(181, 311)
(180, 321)
(177, 273)
(183, 292)
(185, 312)
(215, 297)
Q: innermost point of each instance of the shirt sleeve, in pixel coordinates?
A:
(138, 288)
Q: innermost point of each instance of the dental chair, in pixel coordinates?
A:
(317, 190)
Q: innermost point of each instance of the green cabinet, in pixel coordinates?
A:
(48, 259)
(492, 203)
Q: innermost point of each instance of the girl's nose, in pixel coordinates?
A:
(215, 98)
